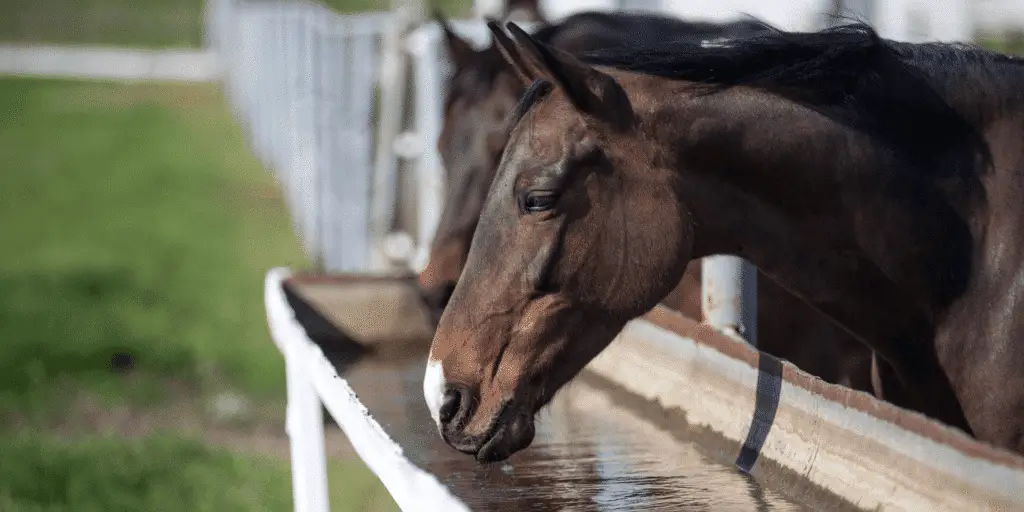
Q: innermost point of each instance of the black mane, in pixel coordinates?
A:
(911, 98)
(589, 31)
(829, 64)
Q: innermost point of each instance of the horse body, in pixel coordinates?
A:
(880, 182)
(912, 257)
(484, 89)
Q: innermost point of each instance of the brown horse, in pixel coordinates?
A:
(891, 202)
(482, 91)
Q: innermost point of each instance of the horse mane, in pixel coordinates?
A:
(827, 65)
(587, 31)
(911, 98)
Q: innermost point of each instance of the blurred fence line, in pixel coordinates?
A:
(301, 80)
(328, 104)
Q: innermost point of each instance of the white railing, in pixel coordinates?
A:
(312, 382)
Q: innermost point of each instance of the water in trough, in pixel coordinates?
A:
(596, 448)
(590, 453)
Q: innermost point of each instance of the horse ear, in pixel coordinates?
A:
(525, 70)
(459, 50)
(592, 92)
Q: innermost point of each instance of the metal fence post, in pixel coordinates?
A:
(729, 295)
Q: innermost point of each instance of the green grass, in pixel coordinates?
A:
(149, 23)
(135, 222)
(145, 23)
(159, 473)
(1010, 46)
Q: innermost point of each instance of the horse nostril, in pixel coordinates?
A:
(450, 405)
(455, 407)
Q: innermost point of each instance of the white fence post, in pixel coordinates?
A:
(425, 45)
(330, 65)
(729, 295)
(305, 427)
(393, 88)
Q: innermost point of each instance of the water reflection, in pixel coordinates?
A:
(589, 454)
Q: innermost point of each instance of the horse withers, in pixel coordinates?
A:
(483, 90)
(891, 202)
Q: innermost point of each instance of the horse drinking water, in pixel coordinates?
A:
(484, 88)
(891, 201)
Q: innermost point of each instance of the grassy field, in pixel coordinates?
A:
(137, 229)
(160, 473)
(1008, 45)
(145, 23)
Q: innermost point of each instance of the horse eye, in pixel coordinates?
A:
(539, 201)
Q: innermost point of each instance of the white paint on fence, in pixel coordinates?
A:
(313, 381)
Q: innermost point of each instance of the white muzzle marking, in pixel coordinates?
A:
(433, 389)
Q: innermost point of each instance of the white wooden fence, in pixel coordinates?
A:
(301, 80)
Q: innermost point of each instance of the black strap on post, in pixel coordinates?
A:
(769, 388)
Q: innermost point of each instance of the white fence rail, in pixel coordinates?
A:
(312, 382)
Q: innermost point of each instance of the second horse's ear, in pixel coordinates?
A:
(593, 93)
(527, 71)
(459, 50)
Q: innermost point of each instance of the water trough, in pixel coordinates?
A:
(657, 421)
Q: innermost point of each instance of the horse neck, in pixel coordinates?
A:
(765, 179)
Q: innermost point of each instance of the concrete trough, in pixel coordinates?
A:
(672, 387)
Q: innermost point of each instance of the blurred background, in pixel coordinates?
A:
(137, 221)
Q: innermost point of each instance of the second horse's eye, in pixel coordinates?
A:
(539, 201)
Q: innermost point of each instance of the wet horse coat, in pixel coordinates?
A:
(484, 89)
(893, 202)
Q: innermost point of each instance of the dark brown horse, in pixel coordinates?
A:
(891, 199)
(484, 89)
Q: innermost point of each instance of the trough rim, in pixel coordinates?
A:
(908, 420)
